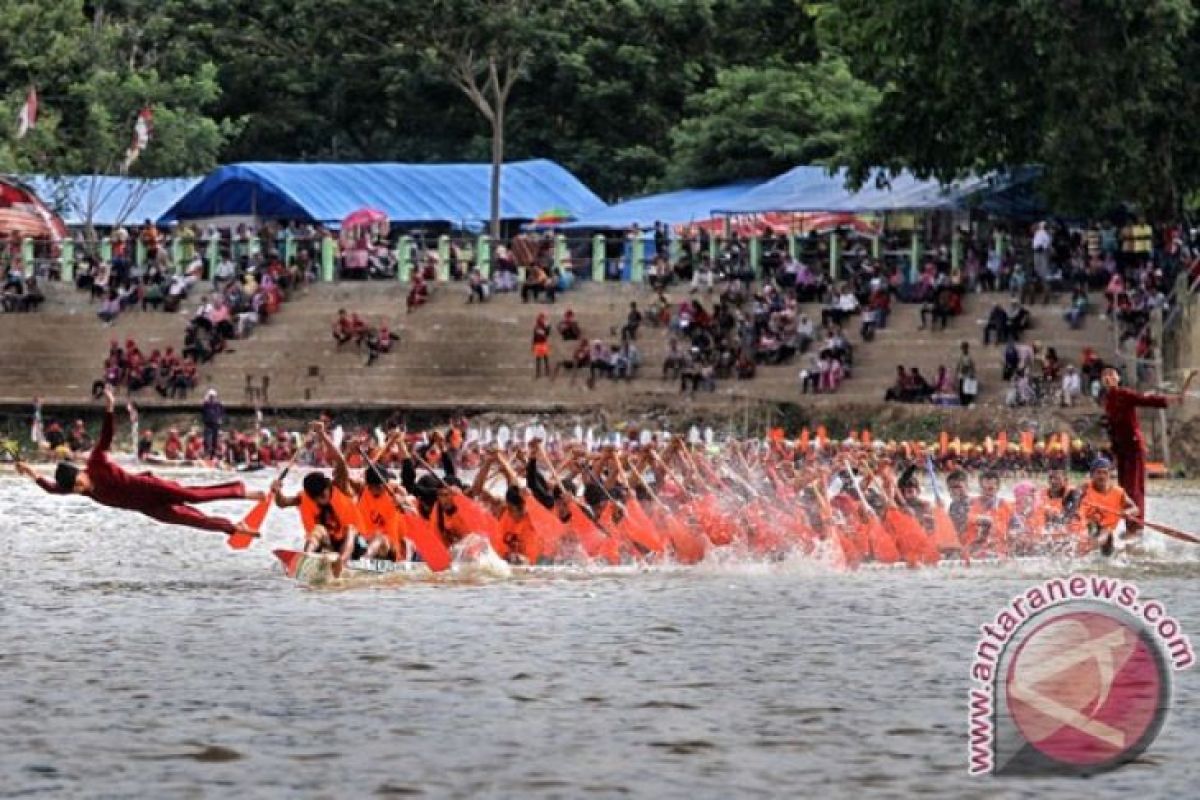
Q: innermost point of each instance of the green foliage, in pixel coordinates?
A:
(631, 95)
(761, 121)
(1103, 94)
(93, 74)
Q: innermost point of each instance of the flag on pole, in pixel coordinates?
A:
(27, 119)
(141, 136)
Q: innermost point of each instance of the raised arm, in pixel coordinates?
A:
(104, 443)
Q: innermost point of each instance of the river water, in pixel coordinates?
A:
(142, 661)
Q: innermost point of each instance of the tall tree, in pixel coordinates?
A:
(1091, 90)
(757, 122)
(97, 65)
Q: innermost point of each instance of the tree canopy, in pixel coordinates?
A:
(630, 95)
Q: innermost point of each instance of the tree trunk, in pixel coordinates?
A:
(497, 164)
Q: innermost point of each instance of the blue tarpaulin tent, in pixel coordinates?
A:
(815, 189)
(112, 199)
(327, 193)
(673, 208)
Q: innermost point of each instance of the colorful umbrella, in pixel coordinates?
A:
(365, 218)
(553, 216)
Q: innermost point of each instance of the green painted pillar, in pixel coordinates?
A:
(794, 246)
(876, 247)
(914, 267)
(254, 246)
(106, 250)
(67, 260)
(27, 255)
(598, 253)
(674, 250)
(289, 247)
(328, 258)
(213, 256)
(637, 269)
(756, 255)
(443, 251)
(404, 258)
(561, 255)
(955, 249)
(835, 256)
(139, 252)
(483, 246)
(998, 243)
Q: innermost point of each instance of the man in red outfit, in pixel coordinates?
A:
(163, 500)
(1128, 446)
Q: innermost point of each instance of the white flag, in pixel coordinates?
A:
(141, 136)
(27, 119)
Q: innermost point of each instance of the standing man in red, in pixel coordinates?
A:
(1128, 446)
(166, 501)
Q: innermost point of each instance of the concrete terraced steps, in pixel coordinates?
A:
(452, 354)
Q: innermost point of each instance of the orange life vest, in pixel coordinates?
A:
(344, 515)
(1103, 508)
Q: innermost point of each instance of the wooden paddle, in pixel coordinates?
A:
(254, 520)
(1174, 533)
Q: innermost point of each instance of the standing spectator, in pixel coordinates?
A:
(968, 383)
(212, 414)
(541, 347)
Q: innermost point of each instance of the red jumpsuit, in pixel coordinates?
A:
(155, 497)
(1128, 447)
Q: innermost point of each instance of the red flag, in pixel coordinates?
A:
(27, 119)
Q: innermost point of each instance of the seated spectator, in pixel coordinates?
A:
(944, 391)
(997, 326)
(901, 390)
(110, 309)
(867, 323)
(418, 293)
(675, 360)
(1078, 309)
(579, 361)
(599, 361)
(536, 280)
(832, 373)
(341, 327)
(477, 287)
(633, 321)
(1071, 387)
(1019, 321)
(744, 367)
(568, 327)
(358, 329)
(937, 309)
(843, 307)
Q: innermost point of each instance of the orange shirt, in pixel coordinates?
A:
(338, 517)
(1106, 508)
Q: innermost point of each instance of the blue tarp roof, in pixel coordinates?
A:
(815, 189)
(672, 208)
(327, 193)
(112, 199)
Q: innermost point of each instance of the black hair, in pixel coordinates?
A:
(64, 476)
(315, 484)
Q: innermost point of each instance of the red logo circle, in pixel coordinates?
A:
(1086, 688)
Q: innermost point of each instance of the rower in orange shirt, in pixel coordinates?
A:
(1104, 505)
(1027, 522)
(327, 507)
(988, 528)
